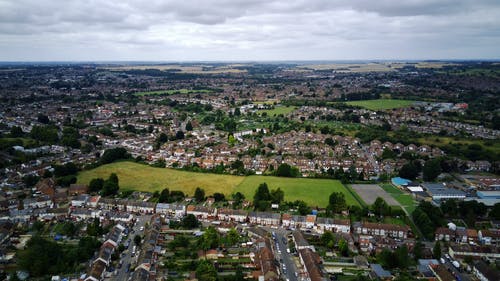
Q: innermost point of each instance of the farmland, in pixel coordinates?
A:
(172, 92)
(134, 176)
(381, 104)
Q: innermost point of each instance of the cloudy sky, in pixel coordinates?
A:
(248, 30)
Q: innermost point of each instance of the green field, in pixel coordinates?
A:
(381, 104)
(278, 110)
(134, 176)
(405, 199)
(171, 92)
(315, 192)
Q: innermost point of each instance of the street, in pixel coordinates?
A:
(286, 259)
(127, 257)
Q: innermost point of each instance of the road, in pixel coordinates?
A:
(127, 257)
(449, 265)
(285, 258)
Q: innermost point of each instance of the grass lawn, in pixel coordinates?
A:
(381, 104)
(171, 92)
(278, 110)
(134, 176)
(315, 192)
(405, 199)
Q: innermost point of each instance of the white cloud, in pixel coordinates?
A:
(248, 30)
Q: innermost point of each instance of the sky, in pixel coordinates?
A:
(252, 30)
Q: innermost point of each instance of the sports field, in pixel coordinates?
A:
(370, 192)
(134, 176)
(381, 104)
(405, 199)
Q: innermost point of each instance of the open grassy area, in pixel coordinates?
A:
(381, 104)
(172, 92)
(491, 145)
(134, 176)
(315, 192)
(278, 110)
(405, 199)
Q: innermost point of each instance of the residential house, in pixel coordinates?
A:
(77, 189)
(311, 262)
(382, 229)
(489, 236)
(485, 273)
(80, 200)
(444, 234)
(335, 225)
(264, 218)
(141, 207)
(201, 212)
(171, 209)
(226, 214)
(310, 221)
(300, 241)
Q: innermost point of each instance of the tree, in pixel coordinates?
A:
(262, 197)
(238, 198)
(388, 154)
(402, 257)
(16, 132)
(110, 186)
(232, 237)
(96, 185)
(137, 240)
(210, 239)
(277, 196)
(343, 248)
(285, 170)
(380, 207)
(179, 135)
(199, 194)
(113, 154)
(417, 250)
(303, 208)
(42, 118)
(337, 202)
(189, 126)
(409, 170)
(205, 271)
(164, 196)
(218, 197)
(495, 212)
(436, 251)
(190, 222)
(432, 169)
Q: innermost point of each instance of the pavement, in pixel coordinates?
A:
(127, 257)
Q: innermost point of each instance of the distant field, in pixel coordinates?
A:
(134, 176)
(381, 104)
(349, 67)
(195, 69)
(405, 199)
(278, 110)
(315, 192)
(172, 92)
